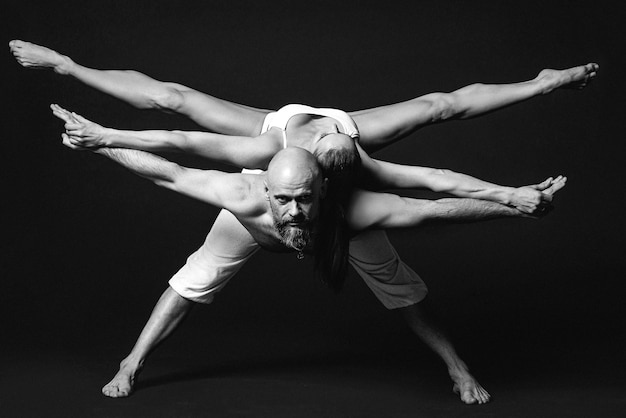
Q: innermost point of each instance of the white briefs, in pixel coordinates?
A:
(229, 245)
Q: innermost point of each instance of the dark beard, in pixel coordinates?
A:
(297, 238)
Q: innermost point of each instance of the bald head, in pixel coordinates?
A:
(294, 187)
(295, 167)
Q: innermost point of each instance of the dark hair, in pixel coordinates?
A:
(341, 167)
(332, 242)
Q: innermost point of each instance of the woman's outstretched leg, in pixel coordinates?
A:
(144, 92)
(384, 125)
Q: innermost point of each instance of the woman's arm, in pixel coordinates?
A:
(239, 151)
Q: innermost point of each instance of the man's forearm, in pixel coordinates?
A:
(384, 210)
(144, 164)
(466, 210)
(418, 212)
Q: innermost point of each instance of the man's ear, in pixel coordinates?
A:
(324, 188)
(267, 190)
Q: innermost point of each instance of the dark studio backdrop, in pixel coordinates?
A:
(88, 247)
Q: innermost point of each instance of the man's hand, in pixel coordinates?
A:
(546, 191)
(533, 199)
(80, 133)
(530, 199)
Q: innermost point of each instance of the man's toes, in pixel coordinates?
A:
(118, 394)
(468, 397)
(109, 390)
(483, 396)
(116, 390)
(112, 392)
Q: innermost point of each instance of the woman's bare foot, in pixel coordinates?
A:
(571, 78)
(35, 56)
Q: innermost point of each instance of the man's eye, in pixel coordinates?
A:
(281, 200)
(305, 199)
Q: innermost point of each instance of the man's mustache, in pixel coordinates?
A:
(296, 219)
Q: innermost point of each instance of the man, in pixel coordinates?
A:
(279, 209)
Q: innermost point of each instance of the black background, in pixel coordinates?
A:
(88, 247)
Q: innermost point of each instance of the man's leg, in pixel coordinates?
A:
(227, 247)
(141, 91)
(397, 286)
(168, 313)
(422, 322)
(384, 125)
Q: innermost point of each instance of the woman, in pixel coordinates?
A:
(249, 137)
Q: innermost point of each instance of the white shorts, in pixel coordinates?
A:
(393, 282)
(226, 248)
(229, 245)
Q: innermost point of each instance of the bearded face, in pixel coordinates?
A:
(294, 188)
(295, 231)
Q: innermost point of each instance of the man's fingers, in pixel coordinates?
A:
(66, 141)
(556, 186)
(79, 118)
(541, 212)
(65, 114)
(547, 184)
(543, 185)
(72, 143)
(546, 198)
(56, 108)
(71, 126)
(61, 115)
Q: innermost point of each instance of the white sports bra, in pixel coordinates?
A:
(280, 118)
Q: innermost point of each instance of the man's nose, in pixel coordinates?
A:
(294, 209)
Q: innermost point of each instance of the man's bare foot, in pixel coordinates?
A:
(469, 389)
(571, 78)
(122, 383)
(35, 56)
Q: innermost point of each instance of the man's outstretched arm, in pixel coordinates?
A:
(381, 175)
(223, 190)
(370, 210)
